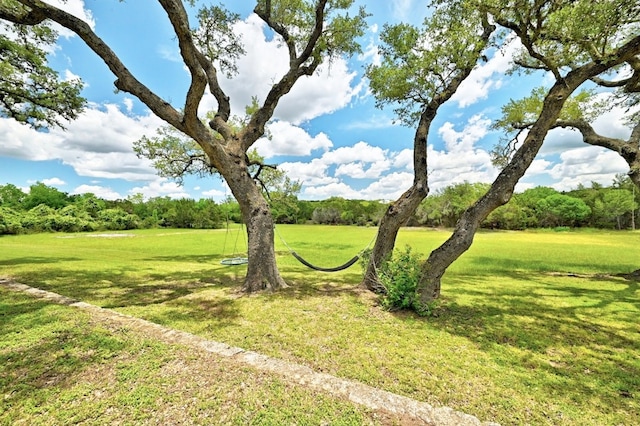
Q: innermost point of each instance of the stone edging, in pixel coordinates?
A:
(365, 395)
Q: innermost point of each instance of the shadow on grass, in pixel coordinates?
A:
(570, 339)
(540, 314)
(36, 260)
(122, 287)
(207, 313)
(45, 347)
(507, 265)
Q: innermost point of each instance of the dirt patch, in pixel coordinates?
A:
(389, 406)
(109, 235)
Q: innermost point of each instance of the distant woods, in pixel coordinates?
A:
(47, 209)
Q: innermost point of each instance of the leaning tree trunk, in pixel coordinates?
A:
(396, 215)
(262, 270)
(502, 188)
(399, 212)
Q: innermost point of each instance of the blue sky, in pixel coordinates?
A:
(326, 133)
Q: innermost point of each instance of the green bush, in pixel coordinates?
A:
(9, 221)
(117, 220)
(399, 276)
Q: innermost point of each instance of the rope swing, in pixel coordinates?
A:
(237, 260)
(306, 263)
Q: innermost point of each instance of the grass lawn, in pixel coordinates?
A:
(533, 327)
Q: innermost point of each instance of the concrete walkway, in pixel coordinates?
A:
(367, 396)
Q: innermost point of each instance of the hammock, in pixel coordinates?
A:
(353, 260)
(342, 267)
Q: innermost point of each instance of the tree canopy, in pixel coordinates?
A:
(30, 91)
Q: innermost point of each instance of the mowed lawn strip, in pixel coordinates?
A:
(533, 327)
(59, 365)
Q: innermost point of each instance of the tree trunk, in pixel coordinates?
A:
(401, 210)
(502, 188)
(262, 270)
(396, 215)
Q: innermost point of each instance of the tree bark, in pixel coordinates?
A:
(401, 210)
(502, 188)
(262, 270)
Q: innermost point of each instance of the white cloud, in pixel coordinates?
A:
(358, 170)
(128, 104)
(69, 76)
(360, 152)
(476, 128)
(611, 123)
(326, 92)
(587, 164)
(22, 142)
(310, 174)
(215, 194)
(538, 166)
(54, 182)
(391, 173)
(482, 79)
(97, 190)
(561, 140)
(461, 160)
(265, 62)
(404, 160)
(161, 187)
(334, 189)
(287, 139)
(389, 187)
(97, 144)
(371, 54)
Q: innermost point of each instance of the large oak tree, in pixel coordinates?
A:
(313, 31)
(573, 41)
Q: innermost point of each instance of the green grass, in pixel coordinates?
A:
(59, 366)
(533, 327)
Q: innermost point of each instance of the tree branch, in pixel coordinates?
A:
(255, 127)
(630, 84)
(265, 15)
(528, 43)
(590, 136)
(30, 17)
(125, 82)
(315, 35)
(191, 56)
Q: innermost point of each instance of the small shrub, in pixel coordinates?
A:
(399, 276)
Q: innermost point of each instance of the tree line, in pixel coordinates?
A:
(597, 206)
(47, 209)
